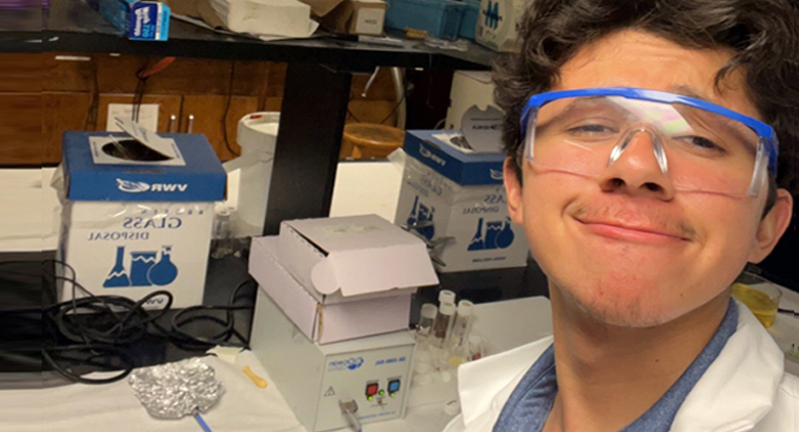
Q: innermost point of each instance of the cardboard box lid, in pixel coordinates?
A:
(323, 323)
(194, 175)
(364, 254)
(432, 148)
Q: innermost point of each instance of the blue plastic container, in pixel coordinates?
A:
(471, 11)
(441, 18)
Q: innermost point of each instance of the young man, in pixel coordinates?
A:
(643, 137)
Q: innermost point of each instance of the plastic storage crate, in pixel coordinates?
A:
(471, 11)
(441, 18)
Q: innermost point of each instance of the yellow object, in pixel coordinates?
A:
(368, 140)
(760, 303)
(260, 382)
(412, 33)
(456, 361)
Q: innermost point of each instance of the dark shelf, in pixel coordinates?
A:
(21, 30)
(71, 26)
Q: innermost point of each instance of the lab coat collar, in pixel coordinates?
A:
(495, 375)
(739, 388)
(734, 393)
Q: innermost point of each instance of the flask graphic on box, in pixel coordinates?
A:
(412, 217)
(140, 263)
(505, 237)
(118, 277)
(477, 242)
(164, 272)
(422, 216)
(498, 235)
(145, 269)
(492, 229)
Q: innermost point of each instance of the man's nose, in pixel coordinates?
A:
(638, 167)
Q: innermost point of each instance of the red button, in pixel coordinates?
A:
(371, 389)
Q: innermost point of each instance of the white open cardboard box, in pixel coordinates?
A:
(352, 256)
(342, 278)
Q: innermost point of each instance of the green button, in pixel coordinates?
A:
(391, 394)
(382, 392)
(370, 398)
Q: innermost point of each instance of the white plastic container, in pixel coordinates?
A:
(249, 175)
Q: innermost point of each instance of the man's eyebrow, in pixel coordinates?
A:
(689, 91)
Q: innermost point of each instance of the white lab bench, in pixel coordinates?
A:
(246, 408)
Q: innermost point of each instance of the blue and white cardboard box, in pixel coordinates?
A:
(131, 227)
(456, 199)
(498, 24)
(139, 20)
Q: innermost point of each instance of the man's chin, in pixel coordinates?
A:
(620, 309)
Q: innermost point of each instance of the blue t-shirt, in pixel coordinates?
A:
(529, 405)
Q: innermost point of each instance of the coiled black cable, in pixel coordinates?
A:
(101, 327)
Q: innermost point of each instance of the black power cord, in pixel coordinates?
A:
(186, 340)
(116, 323)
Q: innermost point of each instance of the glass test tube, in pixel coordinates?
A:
(443, 323)
(426, 320)
(459, 336)
(446, 296)
(476, 347)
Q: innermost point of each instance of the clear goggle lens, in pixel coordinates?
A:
(697, 150)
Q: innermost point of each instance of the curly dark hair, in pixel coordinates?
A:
(763, 33)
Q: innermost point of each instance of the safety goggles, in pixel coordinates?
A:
(698, 145)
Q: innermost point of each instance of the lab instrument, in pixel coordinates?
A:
(327, 385)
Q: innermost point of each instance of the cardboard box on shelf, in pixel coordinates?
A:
(498, 24)
(269, 20)
(359, 17)
(139, 20)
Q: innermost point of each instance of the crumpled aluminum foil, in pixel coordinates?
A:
(175, 390)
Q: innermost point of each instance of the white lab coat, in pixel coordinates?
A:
(745, 389)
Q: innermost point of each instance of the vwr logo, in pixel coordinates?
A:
(425, 153)
(492, 15)
(137, 187)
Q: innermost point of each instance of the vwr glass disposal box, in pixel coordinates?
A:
(136, 219)
(456, 199)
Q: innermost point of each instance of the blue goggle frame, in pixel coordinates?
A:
(764, 131)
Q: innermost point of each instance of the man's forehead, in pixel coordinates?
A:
(633, 58)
